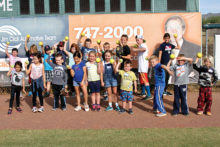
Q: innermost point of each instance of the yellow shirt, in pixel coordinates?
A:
(92, 72)
(127, 79)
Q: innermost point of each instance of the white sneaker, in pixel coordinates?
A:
(161, 114)
(86, 108)
(34, 109)
(41, 109)
(78, 108)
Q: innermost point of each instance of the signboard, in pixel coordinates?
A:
(217, 54)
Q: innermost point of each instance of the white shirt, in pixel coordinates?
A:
(142, 62)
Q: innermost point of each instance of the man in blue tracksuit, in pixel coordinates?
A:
(159, 85)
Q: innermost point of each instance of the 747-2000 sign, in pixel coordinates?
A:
(108, 32)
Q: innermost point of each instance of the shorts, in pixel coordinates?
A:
(95, 86)
(143, 78)
(49, 75)
(75, 83)
(126, 96)
(110, 82)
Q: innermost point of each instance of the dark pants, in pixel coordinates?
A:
(205, 97)
(180, 93)
(57, 95)
(166, 80)
(37, 90)
(15, 90)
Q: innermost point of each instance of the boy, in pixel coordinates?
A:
(127, 79)
(48, 69)
(123, 50)
(181, 75)
(60, 50)
(164, 56)
(143, 65)
(207, 78)
(86, 48)
(159, 85)
(59, 81)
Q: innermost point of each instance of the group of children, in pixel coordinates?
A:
(83, 66)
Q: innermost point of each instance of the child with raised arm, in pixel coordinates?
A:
(78, 73)
(38, 82)
(17, 82)
(59, 82)
(94, 80)
(110, 81)
(12, 57)
(142, 50)
(164, 56)
(128, 78)
(159, 85)
(181, 75)
(207, 78)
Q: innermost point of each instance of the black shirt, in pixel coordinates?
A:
(166, 49)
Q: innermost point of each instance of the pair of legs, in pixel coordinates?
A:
(95, 98)
(126, 96)
(112, 94)
(143, 77)
(37, 90)
(158, 99)
(85, 94)
(15, 90)
(205, 98)
(180, 92)
(57, 96)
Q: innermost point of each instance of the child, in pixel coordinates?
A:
(207, 78)
(127, 79)
(48, 69)
(110, 80)
(12, 58)
(164, 56)
(143, 65)
(38, 82)
(60, 50)
(159, 85)
(78, 73)
(94, 74)
(59, 81)
(17, 80)
(123, 50)
(181, 74)
(73, 48)
(86, 48)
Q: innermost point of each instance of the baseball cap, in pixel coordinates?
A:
(61, 44)
(47, 47)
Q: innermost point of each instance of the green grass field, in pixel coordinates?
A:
(112, 137)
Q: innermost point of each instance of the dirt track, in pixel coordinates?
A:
(143, 116)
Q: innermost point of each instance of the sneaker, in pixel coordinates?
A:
(86, 108)
(122, 111)
(161, 114)
(98, 108)
(130, 111)
(156, 111)
(93, 107)
(208, 113)
(18, 109)
(174, 114)
(147, 98)
(169, 94)
(109, 108)
(64, 109)
(199, 112)
(41, 109)
(9, 111)
(78, 108)
(34, 109)
(105, 98)
(117, 108)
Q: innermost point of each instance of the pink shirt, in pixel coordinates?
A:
(13, 59)
(36, 71)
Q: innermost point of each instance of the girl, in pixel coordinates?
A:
(110, 80)
(94, 74)
(207, 78)
(78, 73)
(73, 48)
(29, 54)
(38, 82)
(17, 80)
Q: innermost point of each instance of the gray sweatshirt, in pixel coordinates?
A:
(59, 73)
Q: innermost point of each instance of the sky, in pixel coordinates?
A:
(209, 6)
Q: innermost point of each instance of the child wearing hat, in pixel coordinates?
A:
(48, 69)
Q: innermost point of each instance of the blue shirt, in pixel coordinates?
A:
(46, 65)
(85, 52)
(166, 49)
(78, 70)
(159, 75)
